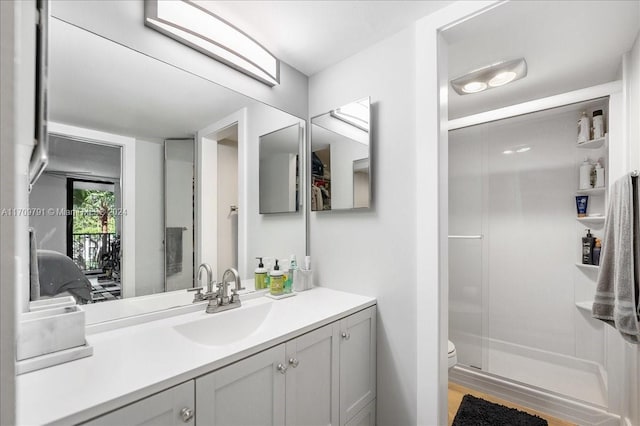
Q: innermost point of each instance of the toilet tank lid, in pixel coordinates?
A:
(452, 347)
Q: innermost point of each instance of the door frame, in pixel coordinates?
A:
(207, 195)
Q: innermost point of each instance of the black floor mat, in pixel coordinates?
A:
(478, 412)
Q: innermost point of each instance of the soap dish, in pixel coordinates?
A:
(280, 296)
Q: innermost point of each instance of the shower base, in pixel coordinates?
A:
(528, 395)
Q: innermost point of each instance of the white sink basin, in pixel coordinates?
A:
(226, 327)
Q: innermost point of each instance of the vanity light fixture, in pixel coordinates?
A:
(491, 76)
(207, 33)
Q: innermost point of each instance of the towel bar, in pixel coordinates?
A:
(465, 237)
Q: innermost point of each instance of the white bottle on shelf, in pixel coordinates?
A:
(585, 174)
(584, 128)
(599, 176)
(598, 124)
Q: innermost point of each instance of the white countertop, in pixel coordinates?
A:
(131, 363)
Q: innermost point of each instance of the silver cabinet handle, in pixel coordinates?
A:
(346, 336)
(293, 362)
(186, 414)
(282, 368)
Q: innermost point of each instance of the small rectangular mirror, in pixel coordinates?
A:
(279, 170)
(340, 158)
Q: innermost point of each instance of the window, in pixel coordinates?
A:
(92, 240)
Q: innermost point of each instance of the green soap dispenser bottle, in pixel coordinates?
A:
(276, 280)
(260, 276)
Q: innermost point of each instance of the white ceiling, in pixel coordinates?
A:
(568, 45)
(98, 84)
(313, 35)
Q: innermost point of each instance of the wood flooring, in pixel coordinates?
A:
(456, 392)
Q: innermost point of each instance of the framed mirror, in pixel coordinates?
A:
(341, 158)
(280, 170)
(176, 158)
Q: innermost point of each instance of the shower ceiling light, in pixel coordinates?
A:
(495, 75)
(474, 86)
(200, 29)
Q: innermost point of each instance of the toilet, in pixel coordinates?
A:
(453, 357)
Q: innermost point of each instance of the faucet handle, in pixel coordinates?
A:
(198, 296)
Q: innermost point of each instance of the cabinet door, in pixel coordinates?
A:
(312, 378)
(171, 407)
(366, 417)
(249, 392)
(357, 362)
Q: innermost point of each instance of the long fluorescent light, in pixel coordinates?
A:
(355, 114)
(200, 29)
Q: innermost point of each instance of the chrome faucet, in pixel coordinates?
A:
(209, 295)
(219, 300)
(224, 302)
(234, 291)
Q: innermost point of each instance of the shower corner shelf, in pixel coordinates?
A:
(585, 305)
(594, 143)
(589, 267)
(591, 191)
(591, 219)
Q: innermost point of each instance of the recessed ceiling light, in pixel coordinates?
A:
(491, 76)
(508, 151)
(523, 149)
(474, 86)
(502, 78)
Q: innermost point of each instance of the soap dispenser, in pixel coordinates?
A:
(260, 275)
(276, 280)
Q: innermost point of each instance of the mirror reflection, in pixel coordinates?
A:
(279, 170)
(340, 158)
(166, 164)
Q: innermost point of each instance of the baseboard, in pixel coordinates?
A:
(539, 399)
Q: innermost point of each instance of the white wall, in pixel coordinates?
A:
(149, 230)
(268, 235)
(279, 170)
(177, 200)
(51, 229)
(123, 22)
(373, 252)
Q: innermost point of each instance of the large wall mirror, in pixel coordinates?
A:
(153, 170)
(341, 158)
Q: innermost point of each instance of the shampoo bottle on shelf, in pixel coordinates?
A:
(585, 174)
(276, 281)
(595, 258)
(260, 276)
(584, 128)
(598, 124)
(588, 242)
(599, 176)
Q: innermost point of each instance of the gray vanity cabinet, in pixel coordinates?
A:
(313, 378)
(172, 407)
(249, 392)
(324, 377)
(293, 383)
(357, 364)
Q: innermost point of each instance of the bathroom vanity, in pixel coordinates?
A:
(305, 359)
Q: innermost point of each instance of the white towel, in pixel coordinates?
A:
(616, 299)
